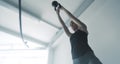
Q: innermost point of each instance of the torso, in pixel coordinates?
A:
(79, 44)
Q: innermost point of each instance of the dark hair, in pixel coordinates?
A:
(73, 25)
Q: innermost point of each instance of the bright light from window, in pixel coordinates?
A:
(13, 51)
(23, 56)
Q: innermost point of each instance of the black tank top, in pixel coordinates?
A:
(79, 44)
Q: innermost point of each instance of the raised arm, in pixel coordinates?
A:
(81, 25)
(63, 24)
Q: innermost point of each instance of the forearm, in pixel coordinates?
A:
(72, 17)
(64, 26)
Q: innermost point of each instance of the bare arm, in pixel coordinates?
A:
(81, 25)
(63, 24)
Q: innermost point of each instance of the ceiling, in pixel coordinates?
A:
(40, 23)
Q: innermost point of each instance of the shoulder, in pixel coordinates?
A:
(84, 29)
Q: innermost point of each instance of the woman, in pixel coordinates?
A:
(81, 51)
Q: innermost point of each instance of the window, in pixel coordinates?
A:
(13, 51)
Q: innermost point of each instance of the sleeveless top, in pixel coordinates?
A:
(79, 44)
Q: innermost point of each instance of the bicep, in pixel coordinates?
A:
(69, 34)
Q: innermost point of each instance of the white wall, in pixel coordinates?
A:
(102, 19)
(62, 51)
